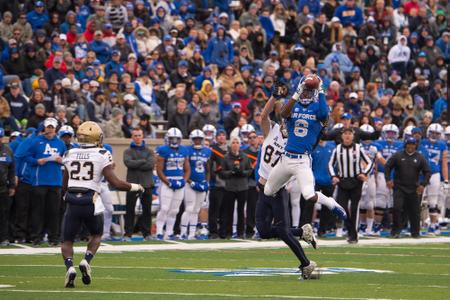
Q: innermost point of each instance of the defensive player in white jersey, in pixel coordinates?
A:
(84, 170)
(369, 190)
(272, 215)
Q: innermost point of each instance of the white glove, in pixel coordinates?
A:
(320, 85)
(299, 91)
(136, 187)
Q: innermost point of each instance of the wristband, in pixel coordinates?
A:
(135, 187)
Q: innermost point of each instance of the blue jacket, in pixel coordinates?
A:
(439, 107)
(219, 51)
(102, 51)
(199, 80)
(345, 64)
(314, 6)
(15, 144)
(37, 20)
(65, 27)
(267, 24)
(112, 67)
(349, 15)
(48, 174)
(320, 158)
(24, 170)
(445, 48)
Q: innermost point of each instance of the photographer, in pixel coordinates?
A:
(236, 168)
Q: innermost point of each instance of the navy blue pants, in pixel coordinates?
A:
(272, 221)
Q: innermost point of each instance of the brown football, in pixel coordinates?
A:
(311, 82)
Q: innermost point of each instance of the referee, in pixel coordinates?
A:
(353, 166)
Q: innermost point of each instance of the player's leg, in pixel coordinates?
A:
(279, 176)
(264, 215)
(193, 218)
(203, 216)
(71, 225)
(94, 224)
(372, 190)
(381, 202)
(433, 190)
(177, 198)
(294, 197)
(189, 203)
(105, 195)
(165, 200)
(363, 204)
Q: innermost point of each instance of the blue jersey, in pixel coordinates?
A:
(320, 158)
(198, 159)
(448, 158)
(304, 125)
(387, 149)
(173, 160)
(371, 149)
(435, 154)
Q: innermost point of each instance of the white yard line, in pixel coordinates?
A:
(223, 295)
(230, 245)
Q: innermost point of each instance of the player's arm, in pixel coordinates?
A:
(186, 169)
(286, 110)
(444, 166)
(160, 170)
(322, 113)
(110, 176)
(266, 122)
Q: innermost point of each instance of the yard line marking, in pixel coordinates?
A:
(413, 285)
(384, 254)
(105, 244)
(186, 294)
(22, 246)
(224, 246)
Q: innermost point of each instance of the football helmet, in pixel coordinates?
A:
(434, 132)
(66, 129)
(209, 131)
(407, 132)
(307, 95)
(447, 133)
(338, 126)
(197, 137)
(367, 128)
(245, 131)
(89, 134)
(389, 132)
(173, 137)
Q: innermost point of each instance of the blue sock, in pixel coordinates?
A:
(88, 256)
(68, 262)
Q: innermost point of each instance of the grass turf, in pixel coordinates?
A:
(419, 272)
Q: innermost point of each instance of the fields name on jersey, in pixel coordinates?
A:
(303, 116)
(83, 156)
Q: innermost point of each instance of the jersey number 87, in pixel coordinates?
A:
(268, 155)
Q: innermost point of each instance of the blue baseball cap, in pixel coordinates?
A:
(220, 131)
(410, 140)
(346, 116)
(416, 130)
(207, 69)
(115, 52)
(113, 94)
(2, 132)
(40, 4)
(167, 37)
(183, 63)
(422, 54)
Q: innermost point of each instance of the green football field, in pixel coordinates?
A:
(375, 271)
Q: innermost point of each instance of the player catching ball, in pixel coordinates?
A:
(305, 113)
(84, 170)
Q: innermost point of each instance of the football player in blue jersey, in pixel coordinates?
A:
(66, 134)
(305, 114)
(172, 167)
(367, 204)
(245, 130)
(198, 184)
(389, 144)
(437, 155)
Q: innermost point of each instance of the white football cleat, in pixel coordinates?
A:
(308, 235)
(85, 269)
(308, 270)
(71, 274)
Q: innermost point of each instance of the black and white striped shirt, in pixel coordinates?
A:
(348, 161)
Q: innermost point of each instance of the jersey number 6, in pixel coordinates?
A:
(301, 128)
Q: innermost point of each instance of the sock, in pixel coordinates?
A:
(329, 202)
(204, 225)
(68, 262)
(192, 230)
(369, 224)
(88, 256)
(298, 232)
(183, 229)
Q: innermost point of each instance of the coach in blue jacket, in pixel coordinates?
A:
(45, 154)
(349, 13)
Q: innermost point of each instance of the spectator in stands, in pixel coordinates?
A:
(140, 161)
(17, 103)
(7, 188)
(38, 17)
(231, 121)
(181, 118)
(220, 49)
(113, 128)
(350, 14)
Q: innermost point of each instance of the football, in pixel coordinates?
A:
(311, 82)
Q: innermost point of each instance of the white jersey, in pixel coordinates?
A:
(85, 167)
(271, 150)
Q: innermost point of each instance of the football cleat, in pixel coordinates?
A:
(183, 237)
(339, 212)
(308, 235)
(308, 270)
(172, 237)
(70, 278)
(85, 269)
(160, 237)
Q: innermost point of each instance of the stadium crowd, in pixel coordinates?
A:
(191, 64)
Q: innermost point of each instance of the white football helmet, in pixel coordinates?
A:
(389, 132)
(447, 133)
(173, 137)
(338, 125)
(308, 96)
(245, 131)
(367, 128)
(434, 132)
(198, 135)
(66, 129)
(210, 132)
(407, 132)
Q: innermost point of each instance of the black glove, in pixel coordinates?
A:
(236, 170)
(280, 90)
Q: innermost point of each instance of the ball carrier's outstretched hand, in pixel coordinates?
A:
(305, 114)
